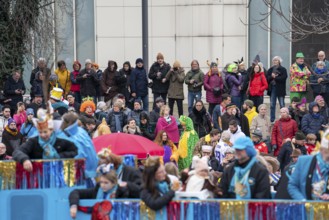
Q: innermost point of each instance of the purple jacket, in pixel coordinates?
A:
(211, 82)
(233, 82)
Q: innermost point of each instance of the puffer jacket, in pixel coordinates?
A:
(233, 81)
(311, 122)
(323, 87)
(138, 82)
(210, 82)
(158, 85)
(283, 128)
(258, 85)
(110, 81)
(64, 79)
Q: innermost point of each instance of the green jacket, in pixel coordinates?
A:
(198, 77)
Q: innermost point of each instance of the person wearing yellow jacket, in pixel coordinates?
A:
(249, 110)
(63, 76)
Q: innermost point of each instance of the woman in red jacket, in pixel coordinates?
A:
(283, 130)
(258, 84)
(75, 86)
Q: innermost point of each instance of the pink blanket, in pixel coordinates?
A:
(171, 129)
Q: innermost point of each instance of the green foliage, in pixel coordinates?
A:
(17, 21)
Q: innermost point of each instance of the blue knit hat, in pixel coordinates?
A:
(245, 143)
(11, 120)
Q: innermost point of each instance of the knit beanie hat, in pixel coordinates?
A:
(11, 120)
(139, 60)
(299, 136)
(249, 103)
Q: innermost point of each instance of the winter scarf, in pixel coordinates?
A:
(49, 152)
(241, 178)
(106, 195)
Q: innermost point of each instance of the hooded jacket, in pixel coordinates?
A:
(233, 82)
(211, 81)
(139, 82)
(64, 79)
(110, 81)
(251, 115)
(312, 122)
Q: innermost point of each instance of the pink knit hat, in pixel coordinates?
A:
(318, 98)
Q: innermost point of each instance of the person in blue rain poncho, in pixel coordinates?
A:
(70, 130)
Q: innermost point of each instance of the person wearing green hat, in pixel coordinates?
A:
(299, 76)
(234, 82)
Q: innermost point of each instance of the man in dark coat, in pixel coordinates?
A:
(246, 178)
(41, 68)
(124, 74)
(138, 84)
(88, 80)
(157, 73)
(287, 148)
(282, 191)
(14, 90)
(155, 113)
(276, 78)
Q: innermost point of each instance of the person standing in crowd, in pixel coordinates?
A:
(320, 81)
(63, 77)
(3, 155)
(139, 84)
(249, 110)
(75, 86)
(4, 119)
(282, 186)
(235, 130)
(324, 110)
(309, 180)
(126, 72)
(313, 122)
(176, 76)
(157, 74)
(234, 83)
(109, 84)
(28, 129)
(321, 57)
(246, 178)
(298, 142)
(14, 89)
(257, 86)
(167, 123)
(158, 190)
(116, 119)
(219, 110)
(187, 142)
(20, 116)
(99, 74)
(276, 79)
(11, 137)
(213, 84)
(169, 147)
(72, 102)
(194, 79)
(245, 79)
(210, 139)
(38, 82)
(284, 129)
(299, 76)
(37, 103)
(155, 113)
(201, 119)
(262, 122)
(44, 146)
(88, 81)
(300, 112)
(41, 68)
